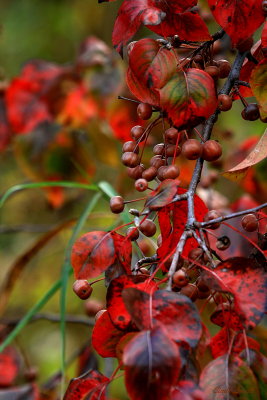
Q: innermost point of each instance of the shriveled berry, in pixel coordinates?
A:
(225, 102)
(99, 313)
(157, 161)
(130, 146)
(192, 149)
(251, 112)
(212, 150)
(144, 111)
(158, 149)
(212, 70)
(150, 173)
(132, 233)
(130, 159)
(180, 278)
(116, 204)
(212, 214)
(223, 243)
(148, 227)
(224, 68)
(136, 172)
(141, 185)
(92, 307)
(250, 223)
(82, 289)
(171, 135)
(137, 132)
(190, 290)
(171, 172)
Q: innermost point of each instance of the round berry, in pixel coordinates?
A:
(92, 307)
(225, 102)
(130, 159)
(190, 291)
(251, 112)
(171, 172)
(158, 149)
(171, 149)
(224, 68)
(203, 294)
(150, 173)
(212, 70)
(171, 135)
(264, 5)
(212, 150)
(82, 289)
(141, 185)
(136, 172)
(195, 254)
(130, 147)
(148, 227)
(116, 204)
(144, 111)
(250, 223)
(137, 132)
(223, 243)
(192, 149)
(161, 171)
(132, 233)
(212, 214)
(180, 278)
(157, 161)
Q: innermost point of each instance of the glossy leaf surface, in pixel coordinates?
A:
(91, 386)
(163, 195)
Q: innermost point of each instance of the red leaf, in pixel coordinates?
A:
(163, 195)
(91, 386)
(172, 221)
(9, 366)
(264, 37)
(123, 249)
(225, 315)
(220, 343)
(234, 15)
(5, 129)
(92, 254)
(175, 313)
(106, 336)
(141, 92)
(246, 281)
(152, 365)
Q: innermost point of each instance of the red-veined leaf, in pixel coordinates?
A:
(141, 92)
(223, 380)
(234, 15)
(163, 195)
(258, 85)
(9, 366)
(246, 281)
(189, 97)
(258, 154)
(106, 336)
(123, 249)
(152, 365)
(220, 343)
(174, 312)
(92, 254)
(90, 385)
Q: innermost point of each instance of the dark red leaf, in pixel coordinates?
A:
(91, 386)
(9, 366)
(234, 15)
(123, 249)
(225, 315)
(264, 37)
(174, 312)
(152, 365)
(241, 381)
(141, 92)
(5, 129)
(246, 281)
(106, 336)
(27, 392)
(172, 221)
(163, 195)
(92, 254)
(122, 343)
(258, 364)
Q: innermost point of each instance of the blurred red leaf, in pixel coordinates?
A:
(172, 221)
(9, 366)
(152, 365)
(175, 313)
(91, 386)
(234, 15)
(246, 281)
(5, 129)
(106, 336)
(163, 195)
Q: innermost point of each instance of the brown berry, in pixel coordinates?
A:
(130, 159)
(82, 289)
(223, 243)
(132, 233)
(250, 223)
(195, 254)
(150, 173)
(225, 102)
(92, 307)
(158, 149)
(161, 171)
(212, 70)
(245, 45)
(144, 111)
(148, 227)
(264, 5)
(171, 135)
(136, 172)
(171, 172)
(203, 294)
(141, 185)
(212, 150)
(137, 132)
(192, 149)
(190, 291)
(180, 278)
(171, 149)
(116, 204)
(224, 68)
(212, 214)
(130, 147)
(157, 161)
(251, 112)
